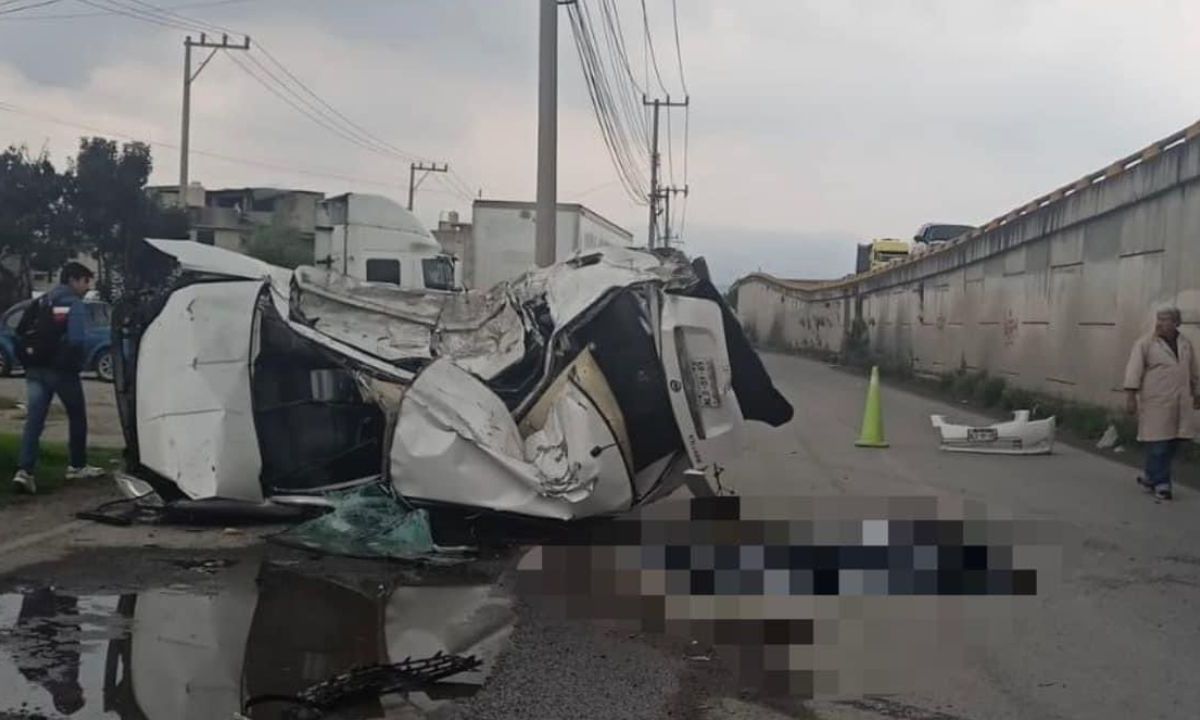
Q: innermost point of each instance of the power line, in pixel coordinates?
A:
(269, 164)
(670, 149)
(650, 48)
(363, 131)
(609, 85)
(451, 187)
(632, 91)
(299, 107)
(127, 12)
(305, 101)
(23, 8)
(151, 9)
(106, 13)
(687, 114)
(296, 94)
(465, 186)
(678, 47)
(325, 109)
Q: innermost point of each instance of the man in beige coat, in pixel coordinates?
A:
(1161, 386)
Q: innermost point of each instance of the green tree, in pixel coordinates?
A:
(168, 223)
(108, 196)
(35, 223)
(281, 246)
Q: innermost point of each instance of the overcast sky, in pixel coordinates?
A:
(814, 124)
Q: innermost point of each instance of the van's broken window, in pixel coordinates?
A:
(383, 271)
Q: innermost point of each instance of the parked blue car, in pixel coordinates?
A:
(96, 350)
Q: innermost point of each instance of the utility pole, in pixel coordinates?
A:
(656, 193)
(413, 183)
(547, 172)
(188, 78)
(666, 196)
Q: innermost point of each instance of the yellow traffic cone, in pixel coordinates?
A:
(872, 426)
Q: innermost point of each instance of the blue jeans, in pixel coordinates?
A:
(1159, 455)
(42, 384)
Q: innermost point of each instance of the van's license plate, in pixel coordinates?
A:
(982, 435)
(704, 383)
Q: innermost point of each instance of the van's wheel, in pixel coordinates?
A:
(104, 366)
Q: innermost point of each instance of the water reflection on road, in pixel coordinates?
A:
(174, 651)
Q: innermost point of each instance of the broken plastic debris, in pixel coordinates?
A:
(1019, 436)
(372, 681)
(1108, 439)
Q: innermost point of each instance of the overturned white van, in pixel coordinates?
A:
(581, 389)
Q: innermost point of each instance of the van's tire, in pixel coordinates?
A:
(105, 369)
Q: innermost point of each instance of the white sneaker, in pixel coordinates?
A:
(24, 482)
(87, 472)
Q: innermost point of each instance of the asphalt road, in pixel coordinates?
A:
(1116, 639)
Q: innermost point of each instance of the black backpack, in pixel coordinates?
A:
(38, 336)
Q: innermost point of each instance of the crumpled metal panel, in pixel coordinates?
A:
(194, 419)
(573, 286)
(483, 332)
(455, 442)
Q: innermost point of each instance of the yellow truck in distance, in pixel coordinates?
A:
(879, 253)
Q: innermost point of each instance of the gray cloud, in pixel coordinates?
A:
(864, 118)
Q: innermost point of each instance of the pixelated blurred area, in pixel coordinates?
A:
(807, 597)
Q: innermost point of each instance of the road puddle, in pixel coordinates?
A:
(266, 628)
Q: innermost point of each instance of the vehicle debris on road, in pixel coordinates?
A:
(586, 388)
(1019, 436)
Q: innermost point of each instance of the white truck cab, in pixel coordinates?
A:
(373, 239)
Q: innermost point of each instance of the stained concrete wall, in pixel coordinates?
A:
(1051, 297)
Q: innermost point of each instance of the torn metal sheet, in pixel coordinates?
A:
(194, 257)
(195, 422)
(581, 389)
(483, 332)
(1019, 436)
(450, 420)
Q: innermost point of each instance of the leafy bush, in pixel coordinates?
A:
(991, 391)
(965, 384)
(1014, 398)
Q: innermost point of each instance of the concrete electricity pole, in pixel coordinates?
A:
(666, 196)
(656, 193)
(188, 78)
(413, 183)
(547, 174)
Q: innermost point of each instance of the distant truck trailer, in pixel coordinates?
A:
(931, 234)
(498, 243)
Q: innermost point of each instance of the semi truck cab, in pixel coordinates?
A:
(373, 239)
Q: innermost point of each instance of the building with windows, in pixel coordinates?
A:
(229, 218)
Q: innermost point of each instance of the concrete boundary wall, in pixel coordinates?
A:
(1050, 296)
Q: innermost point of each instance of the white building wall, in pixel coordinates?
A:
(594, 234)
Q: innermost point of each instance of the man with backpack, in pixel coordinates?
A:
(50, 341)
